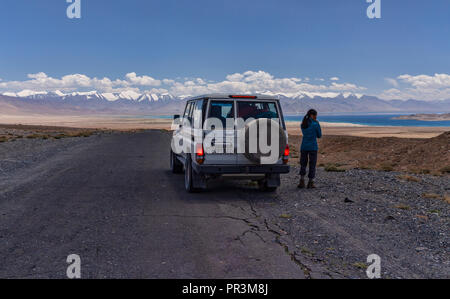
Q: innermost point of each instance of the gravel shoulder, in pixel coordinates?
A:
(355, 214)
(101, 196)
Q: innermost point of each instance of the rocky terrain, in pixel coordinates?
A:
(356, 213)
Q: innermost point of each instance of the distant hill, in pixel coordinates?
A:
(426, 117)
(131, 103)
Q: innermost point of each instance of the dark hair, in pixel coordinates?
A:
(306, 119)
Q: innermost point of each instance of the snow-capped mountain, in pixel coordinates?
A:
(131, 102)
(92, 95)
(152, 97)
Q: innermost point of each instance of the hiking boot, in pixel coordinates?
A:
(302, 184)
(311, 185)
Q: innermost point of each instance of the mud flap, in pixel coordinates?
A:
(198, 181)
(273, 180)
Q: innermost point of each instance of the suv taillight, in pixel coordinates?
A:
(286, 155)
(200, 154)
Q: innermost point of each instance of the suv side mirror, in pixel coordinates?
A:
(177, 120)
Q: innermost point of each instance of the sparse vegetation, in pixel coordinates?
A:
(432, 196)
(306, 251)
(360, 265)
(60, 136)
(409, 178)
(15, 132)
(333, 168)
(446, 169)
(447, 198)
(387, 167)
(285, 216)
(403, 207)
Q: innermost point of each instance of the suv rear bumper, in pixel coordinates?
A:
(238, 169)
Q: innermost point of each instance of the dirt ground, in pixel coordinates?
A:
(14, 132)
(387, 154)
(129, 123)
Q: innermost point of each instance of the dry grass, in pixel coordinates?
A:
(360, 266)
(34, 136)
(447, 198)
(403, 207)
(432, 196)
(333, 168)
(387, 167)
(446, 169)
(14, 132)
(82, 134)
(409, 178)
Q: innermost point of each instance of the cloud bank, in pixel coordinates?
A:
(247, 82)
(420, 87)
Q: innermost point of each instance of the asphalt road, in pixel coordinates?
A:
(113, 202)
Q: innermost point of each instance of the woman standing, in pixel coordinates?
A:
(311, 132)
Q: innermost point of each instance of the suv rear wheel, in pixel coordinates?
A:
(263, 186)
(175, 165)
(189, 176)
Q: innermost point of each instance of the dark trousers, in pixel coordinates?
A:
(311, 157)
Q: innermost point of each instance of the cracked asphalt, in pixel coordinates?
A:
(112, 200)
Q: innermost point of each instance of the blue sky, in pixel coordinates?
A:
(177, 39)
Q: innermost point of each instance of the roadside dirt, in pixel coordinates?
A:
(429, 156)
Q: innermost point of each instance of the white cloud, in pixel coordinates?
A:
(392, 82)
(142, 80)
(235, 77)
(247, 82)
(420, 87)
(334, 78)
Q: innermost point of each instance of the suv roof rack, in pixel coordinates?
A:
(234, 96)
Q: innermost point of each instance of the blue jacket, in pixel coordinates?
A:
(310, 136)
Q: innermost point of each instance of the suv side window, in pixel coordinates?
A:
(197, 114)
(187, 112)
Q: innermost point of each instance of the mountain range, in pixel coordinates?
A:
(133, 103)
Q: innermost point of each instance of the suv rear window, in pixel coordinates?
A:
(222, 110)
(257, 110)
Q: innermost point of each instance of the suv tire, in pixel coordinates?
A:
(263, 187)
(175, 165)
(189, 176)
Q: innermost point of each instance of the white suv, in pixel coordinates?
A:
(230, 135)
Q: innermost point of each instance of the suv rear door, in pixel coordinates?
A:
(257, 109)
(224, 138)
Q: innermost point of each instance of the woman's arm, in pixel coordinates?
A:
(318, 130)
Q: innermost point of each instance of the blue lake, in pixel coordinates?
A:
(367, 120)
(374, 120)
